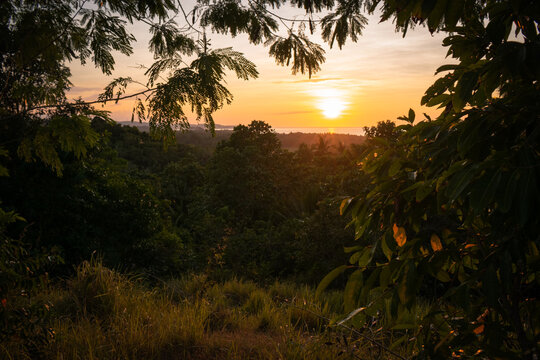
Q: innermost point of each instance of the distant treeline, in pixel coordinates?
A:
(291, 141)
(198, 137)
(236, 204)
(336, 142)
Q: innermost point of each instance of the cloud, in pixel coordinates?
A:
(85, 88)
(301, 81)
(294, 112)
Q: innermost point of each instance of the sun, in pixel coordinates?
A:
(331, 102)
(332, 107)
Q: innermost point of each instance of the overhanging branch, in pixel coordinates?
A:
(84, 103)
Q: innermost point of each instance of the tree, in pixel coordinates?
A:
(34, 80)
(384, 129)
(456, 197)
(247, 170)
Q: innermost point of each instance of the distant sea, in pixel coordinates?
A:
(321, 130)
(280, 130)
(309, 130)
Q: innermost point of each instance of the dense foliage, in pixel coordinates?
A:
(142, 207)
(250, 210)
(451, 216)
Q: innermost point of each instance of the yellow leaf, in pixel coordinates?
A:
(344, 205)
(400, 235)
(436, 243)
(479, 330)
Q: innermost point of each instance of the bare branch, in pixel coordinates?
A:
(191, 26)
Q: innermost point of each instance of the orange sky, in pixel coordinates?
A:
(378, 78)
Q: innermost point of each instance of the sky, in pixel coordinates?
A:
(377, 78)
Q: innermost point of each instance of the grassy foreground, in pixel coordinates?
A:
(101, 314)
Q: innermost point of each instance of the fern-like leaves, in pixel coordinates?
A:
(306, 56)
(346, 21)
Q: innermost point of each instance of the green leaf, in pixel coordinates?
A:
(352, 289)
(363, 257)
(443, 276)
(385, 276)
(354, 257)
(394, 168)
(386, 247)
(350, 249)
(414, 186)
(510, 192)
(344, 205)
(369, 284)
(459, 182)
(447, 67)
(329, 278)
(491, 190)
(412, 115)
(453, 13)
(407, 286)
(351, 315)
(422, 192)
(464, 90)
(439, 99)
(361, 228)
(435, 17)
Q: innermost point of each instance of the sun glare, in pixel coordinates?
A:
(332, 108)
(331, 102)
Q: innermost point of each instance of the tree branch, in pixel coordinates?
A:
(57, 37)
(186, 18)
(84, 103)
(263, 8)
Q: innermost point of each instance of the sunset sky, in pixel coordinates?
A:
(377, 78)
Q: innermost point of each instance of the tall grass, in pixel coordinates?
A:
(101, 314)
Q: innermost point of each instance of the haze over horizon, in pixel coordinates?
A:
(378, 78)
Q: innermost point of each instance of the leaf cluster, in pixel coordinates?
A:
(231, 17)
(305, 54)
(450, 217)
(346, 21)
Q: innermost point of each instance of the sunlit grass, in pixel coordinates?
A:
(101, 314)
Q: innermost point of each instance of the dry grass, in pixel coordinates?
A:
(100, 314)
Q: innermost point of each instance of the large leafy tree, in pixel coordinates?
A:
(453, 201)
(39, 38)
(247, 173)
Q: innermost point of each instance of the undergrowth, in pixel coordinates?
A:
(101, 314)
